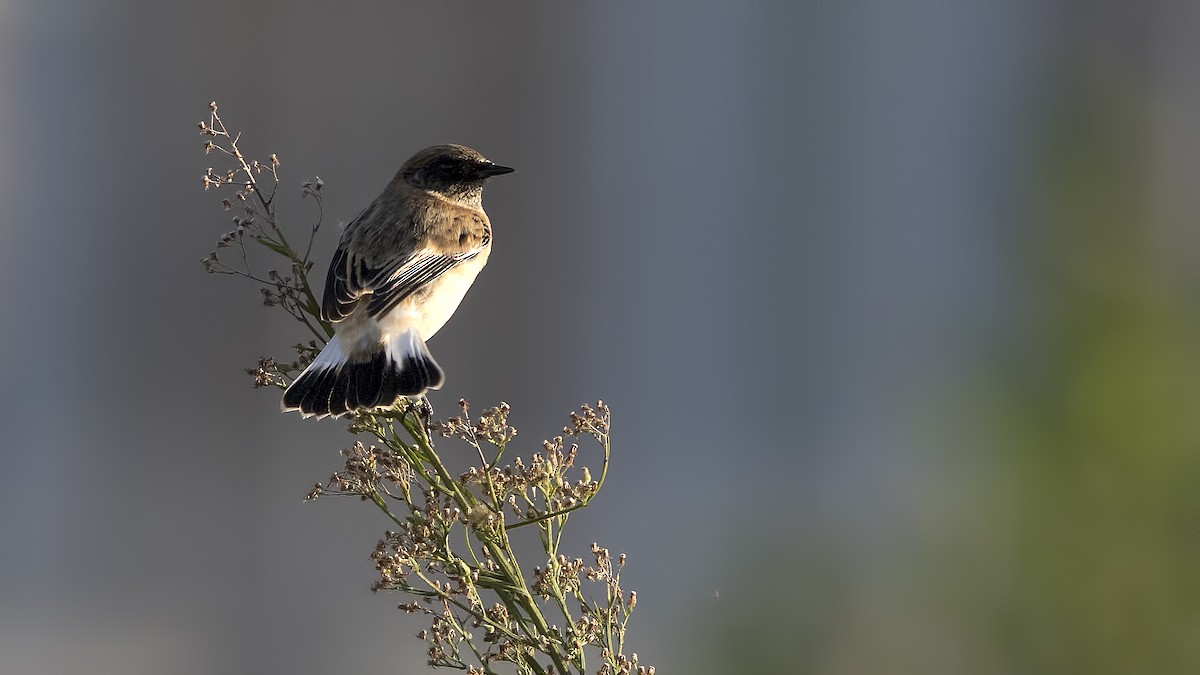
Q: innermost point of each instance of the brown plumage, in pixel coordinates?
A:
(399, 272)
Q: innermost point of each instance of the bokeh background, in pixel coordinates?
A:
(894, 304)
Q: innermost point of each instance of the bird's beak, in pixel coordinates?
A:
(496, 170)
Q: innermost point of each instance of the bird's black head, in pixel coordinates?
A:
(452, 170)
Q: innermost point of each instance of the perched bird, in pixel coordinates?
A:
(402, 266)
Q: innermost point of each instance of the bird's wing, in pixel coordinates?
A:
(352, 279)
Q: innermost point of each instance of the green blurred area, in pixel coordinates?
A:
(1066, 542)
(1094, 422)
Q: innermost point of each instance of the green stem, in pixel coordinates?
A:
(546, 516)
(501, 551)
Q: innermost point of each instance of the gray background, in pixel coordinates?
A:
(893, 303)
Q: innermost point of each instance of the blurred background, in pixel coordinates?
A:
(894, 304)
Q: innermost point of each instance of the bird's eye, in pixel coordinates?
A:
(447, 169)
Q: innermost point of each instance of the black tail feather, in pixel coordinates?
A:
(337, 395)
(352, 379)
(315, 392)
(347, 387)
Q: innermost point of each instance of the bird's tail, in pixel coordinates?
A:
(336, 384)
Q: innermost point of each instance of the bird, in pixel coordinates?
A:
(401, 268)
